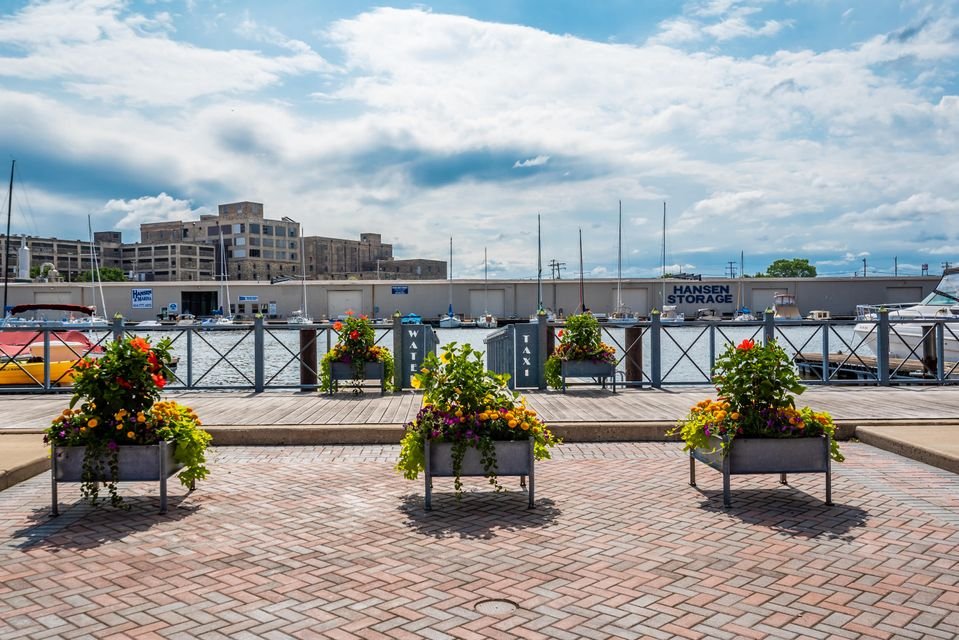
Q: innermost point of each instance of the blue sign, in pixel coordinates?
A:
(248, 298)
(400, 289)
(141, 298)
(526, 352)
(700, 294)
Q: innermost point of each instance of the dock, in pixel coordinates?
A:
(852, 366)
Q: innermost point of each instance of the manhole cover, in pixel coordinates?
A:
(496, 607)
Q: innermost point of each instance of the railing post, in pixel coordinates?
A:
(712, 346)
(258, 354)
(882, 347)
(397, 351)
(825, 352)
(769, 326)
(655, 351)
(308, 361)
(940, 352)
(541, 354)
(634, 355)
(189, 358)
(117, 328)
(46, 358)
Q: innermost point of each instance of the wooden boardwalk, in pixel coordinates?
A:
(848, 405)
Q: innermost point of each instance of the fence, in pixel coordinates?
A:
(264, 356)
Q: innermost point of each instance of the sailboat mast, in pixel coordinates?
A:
(582, 296)
(664, 254)
(485, 284)
(6, 242)
(96, 268)
(539, 265)
(450, 312)
(303, 268)
(619, 262)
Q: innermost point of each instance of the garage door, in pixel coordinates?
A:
(634, 301)
(491, 301)
(339, 302)
(762, 299)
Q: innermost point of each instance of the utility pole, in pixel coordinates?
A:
(863, 267)
(946, 265)
(731, 269)
(895, 266)
(555, 269)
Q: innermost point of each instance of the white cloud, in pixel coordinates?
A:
(531, 162)
(159, 208)
(737, 27)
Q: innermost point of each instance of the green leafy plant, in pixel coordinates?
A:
(115, 404)
(469, 406)
(756, 387)
(356, 346)
(580, 339)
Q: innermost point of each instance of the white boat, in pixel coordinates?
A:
(298, 317)
(905, 338)
(621, 316)
(785, 307)
(742, 312)
(487, 320)
(450, 321)
(146, 324)
(708, 315)
(224, 317)
(668, 315)
(186, 320)
(818, 314)
(302, 316)
(671, 316)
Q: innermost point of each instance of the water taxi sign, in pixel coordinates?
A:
(526, 352)
(400, 289)
(249, 298)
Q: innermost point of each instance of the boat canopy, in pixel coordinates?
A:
(73, 308)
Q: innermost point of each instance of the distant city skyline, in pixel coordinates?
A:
(810, 129)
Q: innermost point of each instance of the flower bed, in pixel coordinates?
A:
(468, 406)
(355, 348)
(115, 406)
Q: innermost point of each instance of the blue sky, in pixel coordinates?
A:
(800, 128)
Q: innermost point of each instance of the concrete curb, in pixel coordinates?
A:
(25, 471)
(875, 436)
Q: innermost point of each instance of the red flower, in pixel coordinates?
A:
(337, 326)
(140, 344)
(560, 333)
(362, 317)
(746, 345)
(354, 334)
(123, 383)
(154, 362)
(159, 380)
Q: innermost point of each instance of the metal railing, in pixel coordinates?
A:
(263, 356)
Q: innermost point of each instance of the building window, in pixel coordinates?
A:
(213, 231)
(239, 241)
(254, 253)
(267, 230)
(254, 227)
(239, 253)
(292, 232)
(238, 227)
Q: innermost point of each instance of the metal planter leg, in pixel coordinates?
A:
(727, 499)
(532, 486)
(428, 500)
(692, 470)
(55, 509)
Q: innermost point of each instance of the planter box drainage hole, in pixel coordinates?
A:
(496, 607)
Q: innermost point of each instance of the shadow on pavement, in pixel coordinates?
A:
(478, 515)
(790, 511)
(80, 526)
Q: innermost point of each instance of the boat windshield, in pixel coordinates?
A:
(947, 293)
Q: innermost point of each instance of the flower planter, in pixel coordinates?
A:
(513, 458)
(597, 370)
(136, 463)
(371, 371)
(749, 456)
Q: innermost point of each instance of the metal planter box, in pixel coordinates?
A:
(600, 371)
(371, 371)
(749, 456)
(136, 463)
(513, 458)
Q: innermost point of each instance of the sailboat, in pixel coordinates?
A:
(94, 318)
(225, 317)
(743, 313)
(301, 315)
(450, 321)
(669, 314)
(487, 320)
(620, 316)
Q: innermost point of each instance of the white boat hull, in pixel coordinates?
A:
(905, 340)
(450, 322)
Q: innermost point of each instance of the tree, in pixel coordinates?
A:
(107, 274)
(791, 268)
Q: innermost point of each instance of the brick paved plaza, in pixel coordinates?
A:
(330, 542)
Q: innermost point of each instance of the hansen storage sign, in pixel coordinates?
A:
(700, 294)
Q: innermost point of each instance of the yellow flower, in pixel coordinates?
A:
(83, 429)
(141, 417)
(446, 357)
(512, 424)
(119, 427)
(92, 422)
(459, 413)
(734, 415)
(415, 382)
(130, 434)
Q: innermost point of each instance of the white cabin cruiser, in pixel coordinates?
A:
(905, 338)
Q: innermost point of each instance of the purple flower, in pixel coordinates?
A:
(112, 446)
(63, 434)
